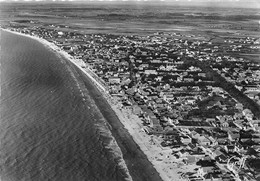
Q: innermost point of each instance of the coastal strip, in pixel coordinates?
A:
(159, 157)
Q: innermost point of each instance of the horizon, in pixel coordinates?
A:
(204, 3)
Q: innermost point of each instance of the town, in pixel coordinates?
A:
(198, 102)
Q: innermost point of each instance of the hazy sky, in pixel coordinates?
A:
(228, 3)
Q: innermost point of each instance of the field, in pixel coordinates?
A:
(134, 18)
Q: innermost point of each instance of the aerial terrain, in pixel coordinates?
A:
(174, 89)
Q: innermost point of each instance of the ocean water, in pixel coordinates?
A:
(50, 127)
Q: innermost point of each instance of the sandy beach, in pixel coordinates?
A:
(168, 167)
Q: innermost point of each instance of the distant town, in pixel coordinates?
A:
(195, 97)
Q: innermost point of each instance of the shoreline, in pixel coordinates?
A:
(159, 157)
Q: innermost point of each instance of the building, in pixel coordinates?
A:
(114, 80)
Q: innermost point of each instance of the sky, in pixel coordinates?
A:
(224, 1)
(228, 3)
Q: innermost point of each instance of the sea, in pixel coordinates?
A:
(50, 127)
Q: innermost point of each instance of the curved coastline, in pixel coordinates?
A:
(138, 154)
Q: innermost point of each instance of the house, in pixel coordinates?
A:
(256, 124)
(202, 171)
(151, 119)
(191, 101)
(256, 139)
(222, 140)
(222, 158)
(151, 71)
(185, 140)
(231, 148)
(213, 141)
(212, 177)
(114, 80)
(221, 136)
(191, 146)
(227, 177)
(224, 124)
(147, 113)
(155, 123)
(239, 106)
(195, 135)
(170, 133)
(216, 153)
(187, 79)
(238, 115)
(210, 120)
(204, 141)
(249, 117)
(233, 136)
(156, 129)
(239, 123)
(221, 118)
(198, 152)
(239, 147)
(130, 92)
(201, 74)
(114, 90)
(207, 150)
(246, 112)
(190, 159)
(182, 153)
(136, 110)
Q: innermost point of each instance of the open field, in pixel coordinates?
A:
(140, 18)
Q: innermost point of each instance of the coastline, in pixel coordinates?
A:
(160, 158)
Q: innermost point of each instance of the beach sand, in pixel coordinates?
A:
(161, 158)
